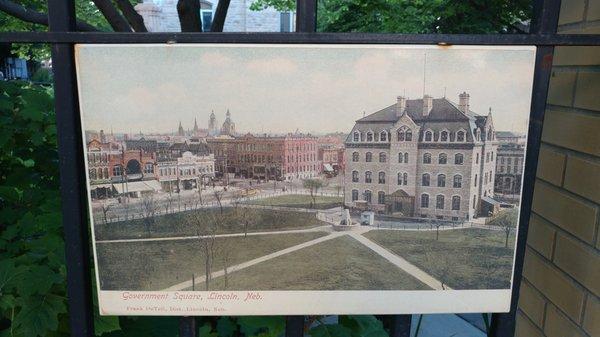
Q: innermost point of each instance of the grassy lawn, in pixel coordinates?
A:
(155, 265)
(338, 264)
(463, 258)
(299, 201)
(179, 224)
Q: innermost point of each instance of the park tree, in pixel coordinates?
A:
(313, 186)
(507, 221)
(205, 225)
(148, 209)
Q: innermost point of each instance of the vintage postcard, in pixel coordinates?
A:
(239, 179)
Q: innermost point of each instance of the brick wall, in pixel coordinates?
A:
(561, 287)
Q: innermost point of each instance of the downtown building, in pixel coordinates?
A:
(429, 158)
(509, 165)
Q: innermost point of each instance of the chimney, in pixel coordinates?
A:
(400, 105)
(427, 104)
(463, 102)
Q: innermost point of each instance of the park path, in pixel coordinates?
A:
(200, 279)
(399, 262)
(324, 228)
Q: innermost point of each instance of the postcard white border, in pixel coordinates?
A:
(198, 303)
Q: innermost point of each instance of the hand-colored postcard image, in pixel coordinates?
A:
(249, 179)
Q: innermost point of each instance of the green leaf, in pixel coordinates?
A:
(330, 330)
(38, 280)
(261, 325)
(104, 324)
(10, 193)
(206, 331)
(363, 326)
(39, 315)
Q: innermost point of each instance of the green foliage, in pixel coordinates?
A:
(413, 16)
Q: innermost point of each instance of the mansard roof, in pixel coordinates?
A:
(442, 110)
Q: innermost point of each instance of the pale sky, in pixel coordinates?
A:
(281, 88)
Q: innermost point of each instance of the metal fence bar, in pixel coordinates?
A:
(545, 21)
(303, 37)
(61, 16)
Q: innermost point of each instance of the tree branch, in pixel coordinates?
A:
(28, 15)
(135, 20)
(189, 15)
(112, 15)
(220, 15)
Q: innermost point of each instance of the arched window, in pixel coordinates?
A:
(439, 201)
(369, 136)
(400, 157)
(382, 157)
(425, 180)
(424, 200)
(367, 196)
(441, 180)
(444, 136)
(427, 158)
(458, 159)
(105, 173)
(405, 179)
(399, 178)
(475, 180)
(149, 168)
(382, 177)
(100, 174)
(368, 157)
(401, 135)
(356, 136)
(381, 197)
(383, 136)
(93, 174)
(354, 176)
(443, 158)
(489, 134)
(455, 203)
(406, 157)
(408, 135)
(355, 156)
(368, 177)
(460, 136)
(354, 195)
(428, 136)
(457, 181)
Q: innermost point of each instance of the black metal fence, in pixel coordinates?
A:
(63, 35)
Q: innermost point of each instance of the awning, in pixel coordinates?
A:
(138, 186)
(328, 167)
(93, 187)
(491, 201)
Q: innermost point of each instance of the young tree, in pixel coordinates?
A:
(148, 211)
(105, 208)
(507, 221)
(218, 196)
(206, 225)
(312, 185)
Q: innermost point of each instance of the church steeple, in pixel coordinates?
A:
(180, 131)
(195, 126)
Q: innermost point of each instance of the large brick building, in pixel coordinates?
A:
(423, 157)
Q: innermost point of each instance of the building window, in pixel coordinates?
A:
(382, 157)
(459, 159)
(399, 178)
(401, 135)
(424, 200)
(439, 201)
(456, 203)
(405, 179)
(408, 135)
(425, 179)
(476, 180)
(487, 157)
(474, 201)
(427, 158)
(355, 156)
(105, 173)
(443, 158)
(441, 180)
(383, 136)
(93, 174)
(509, 160)
(492, 156)
(485, 180)
(369, 136)
(400, 157)
(285, 22)
(149, 168)
(457, 183)
(117, 170)
(207, 17)
(368, 177)
(368, 157)
(354, 195)
(356, 137)
(382, 177)
(354, 176)
(477, 159)
(428, 136)
(367, 196)
(381, 197)
(460, 136)
(406, 157)
(444, 136)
